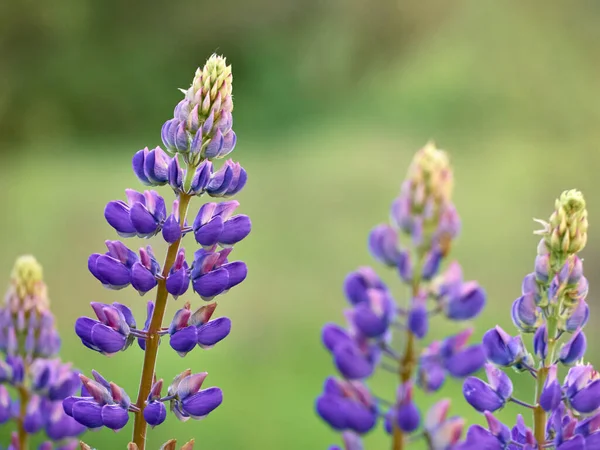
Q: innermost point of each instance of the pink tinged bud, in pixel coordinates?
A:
(206, 103)
(551, 395)
(193, 120)
(180, 319)
(437, 414)
(100, 393)
(448, 433)
(12, 343)
(497, 428)
(190, 385)
(574, 349)
(542, 267)
(167, 133)
(202, 315)
(155, 391)
(182, 110)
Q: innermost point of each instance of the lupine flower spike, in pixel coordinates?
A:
(195, 139)
(416, 244)
(30, 366)
(552, 307)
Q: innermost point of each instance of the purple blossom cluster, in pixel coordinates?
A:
(195, 139)
(553, 308)
(416, 244)
(33, 380)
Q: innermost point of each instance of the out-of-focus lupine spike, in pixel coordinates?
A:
(197, 136)
(553, 307)
(29, 363)
(416, 244)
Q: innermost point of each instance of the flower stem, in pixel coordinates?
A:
(409, 360)
(23, 400)
(153, 338)
(539, 415)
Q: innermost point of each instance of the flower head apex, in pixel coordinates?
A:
(430, 170)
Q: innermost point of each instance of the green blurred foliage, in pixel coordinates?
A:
(331, 99)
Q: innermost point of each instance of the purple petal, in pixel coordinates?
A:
(466, 362)
(212, 283)
(106, 339)
(208, 234)
(481, 396)
(203, 402)
(112, 272)
(235, 229)
(351, 363)
(214, 331)
(114, 417)
(237, 271)
(142, 220)
(88, 414)
(142, 279)
(184, 340)
(155, 413)
(116, 214)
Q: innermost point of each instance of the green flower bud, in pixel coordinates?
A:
(566, 231)
(28, 289)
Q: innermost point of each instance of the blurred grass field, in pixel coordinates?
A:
(511, 90)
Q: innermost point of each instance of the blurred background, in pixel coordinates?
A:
(331, 100)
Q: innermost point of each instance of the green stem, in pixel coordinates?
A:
(153, 339)
(409, 360)
(23, 400)
(539, 415)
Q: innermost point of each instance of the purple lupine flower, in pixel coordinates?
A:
(178, 279)
(145, 271)
(451, 356)
(151, 166)
(383, 244)
(142, 215)
(110, 333)
(552, 304)
(227, 181)
(107, 406)
(189, 400)
(155, 411)
(416, 243)
(405, 412)
(488, 397)
(188, 330)
(442, 431)
(199, 133)
(497, 436)
(347, 405)
(30, 366)
(113, 269)
(212, 274)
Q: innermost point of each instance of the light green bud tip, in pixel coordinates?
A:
(430, 172)
(212, 84)
(567, 228)
(27, 274)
